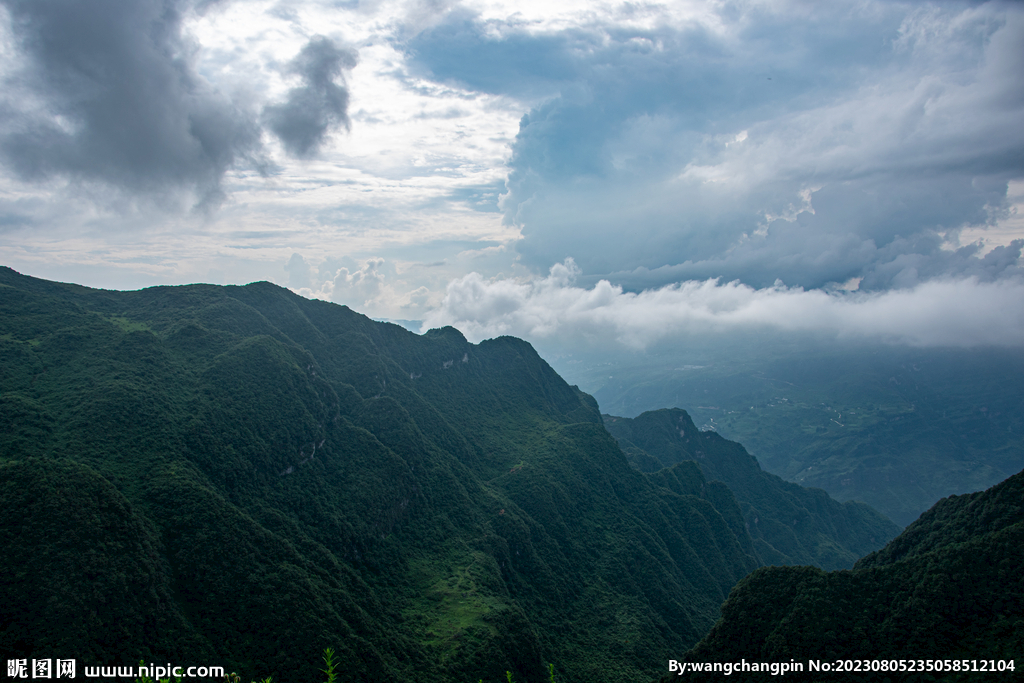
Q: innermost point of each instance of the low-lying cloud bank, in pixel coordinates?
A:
(941, 312)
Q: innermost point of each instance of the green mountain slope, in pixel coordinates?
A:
(950, 587)
(896, 427)
(790, 524)
(238, 476)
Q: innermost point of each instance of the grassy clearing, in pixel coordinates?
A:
(128, 325)
(453, 599)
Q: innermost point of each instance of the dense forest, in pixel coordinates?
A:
(894, 426)
(789, 524)
(238, 476)
(949, 588)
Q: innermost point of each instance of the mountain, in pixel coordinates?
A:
(895, 427)
(240, 477)
(950, 587)
(790, 524)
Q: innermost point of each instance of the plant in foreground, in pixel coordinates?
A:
(235, 678)
(330, 664)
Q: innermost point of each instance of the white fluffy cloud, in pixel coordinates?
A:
(940, 312)
(373, 286)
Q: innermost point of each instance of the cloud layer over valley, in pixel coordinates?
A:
(940, 312)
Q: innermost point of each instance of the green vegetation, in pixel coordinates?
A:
(789, 524)
(949, 587)
(330, 666)
(897, 428)
(239, 477)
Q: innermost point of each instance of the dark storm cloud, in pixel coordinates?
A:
(839, 141)
(319, 105)
(105, 90)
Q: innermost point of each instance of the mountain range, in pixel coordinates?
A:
(894, 426)
(239, 476)
(789, 524)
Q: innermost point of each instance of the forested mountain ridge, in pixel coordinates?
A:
(896, 427)
(950, 587)
(790, 524)
(239, 476)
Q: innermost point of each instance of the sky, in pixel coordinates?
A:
(568, 172)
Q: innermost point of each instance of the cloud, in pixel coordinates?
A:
(869, 142)
(940, 312)
(300, 275)
(106, 91)
(375, 286)
(496, 57)
(811, 143)
(362, 285)
(319, 105)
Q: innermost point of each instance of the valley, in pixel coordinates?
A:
(895, 427)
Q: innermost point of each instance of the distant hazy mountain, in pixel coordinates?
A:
(949, 588)
(896, 427)
(238, 476)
